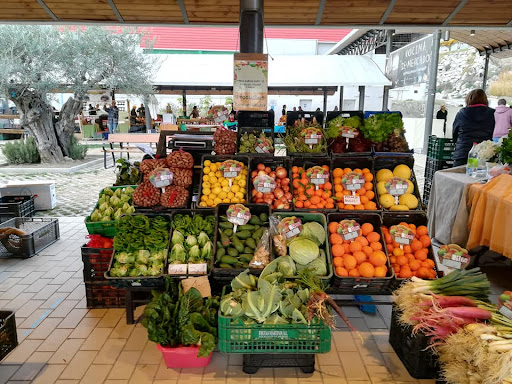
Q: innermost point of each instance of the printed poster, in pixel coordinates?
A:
(250, 84)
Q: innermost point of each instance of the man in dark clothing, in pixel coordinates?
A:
(442, 114)
(141, 111)
(283, 112)
(473, 124)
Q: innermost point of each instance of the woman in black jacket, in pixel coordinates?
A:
(473, 124)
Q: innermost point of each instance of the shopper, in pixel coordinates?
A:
(113, 117)
(502, 118)
(442, 114)
(133, 112)
(195, 112)
(473, 124)
(141, 111)
(283, 112)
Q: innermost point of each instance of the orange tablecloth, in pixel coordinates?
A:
(490, 218)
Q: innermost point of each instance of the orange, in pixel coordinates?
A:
(360, 256)
(376, 246)
(357, 170)
(378, 259)
(349, 207)
(410, 256)
(359, 207)
(349, 261)
(347, 247)
(337, 250)
(333, 227)
(335, 239)
(361, 192)
(364, 200)
(347, 170)
(392, 259)
(295, 169)
(396, 268)
(388, 238)
(338, 188)
(367, 250)
(355, 246)
(341, 272)
(362, 240)
(373, 237)
(354, 273)
(421, 230)
(390, 248)
(366, 269)
(366, 228)
(370, 194)
(428, 263)
(433, 274)
(398, 252)
(425, 240)
(402, 260)
(381, 271)
(365, 171)
(337, 181)
(405, 272)
(407, 249)
(368, 176)
(337, 172)
(424, 273)
(368, 186)
(421, 255)
(338, 262)
(414, 264)
(299, 204)
(416, 245)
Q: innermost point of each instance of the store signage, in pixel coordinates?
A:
(411, 64)
(250, 82)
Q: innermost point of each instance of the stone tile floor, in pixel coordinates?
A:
(61, 341)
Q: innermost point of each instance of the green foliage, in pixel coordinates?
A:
(378, 127)
(21, 151)
(505, 150)
(126, 172)
(77, 151)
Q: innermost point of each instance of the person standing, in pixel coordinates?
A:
(442, 115)
(283, 112)
(502, 118)
(113, 117)
(195, 112)
(473, 124)
(141, 111)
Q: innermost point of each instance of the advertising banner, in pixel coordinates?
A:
(250, 84)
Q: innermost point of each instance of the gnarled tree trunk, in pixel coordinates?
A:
(65, 127)
(37, 117)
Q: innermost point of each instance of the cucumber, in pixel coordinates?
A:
(225, 225)
(243, 235)
(224, 265)
(232, 252)
(229, 259)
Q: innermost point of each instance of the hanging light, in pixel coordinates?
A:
(472, 33)
(446, 35)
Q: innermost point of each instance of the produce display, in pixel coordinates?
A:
(127, 173)
(254, 143)
(411, 259)
(247, 247)
(191, 240)
(223, 183)
(98, 241)
(224, 141)
(140, 245)
(304, 137)
(395, 189)
(344, 135)
(271, 186)
(174, 318)
(357, 250)
(386, 131)
(112, 204)
(312, 188)
(353, 189)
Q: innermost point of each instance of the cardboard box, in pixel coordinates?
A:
(42, 190)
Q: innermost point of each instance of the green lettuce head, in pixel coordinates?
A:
(177, 238)
(202, 239)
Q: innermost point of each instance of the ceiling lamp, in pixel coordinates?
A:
(446, 35)
(472, 33)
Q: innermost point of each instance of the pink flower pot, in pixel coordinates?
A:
(183, 357)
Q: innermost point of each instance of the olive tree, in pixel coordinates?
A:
(38, 60)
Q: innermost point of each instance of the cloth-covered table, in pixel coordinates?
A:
(88, 130)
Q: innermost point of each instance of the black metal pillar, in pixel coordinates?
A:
(325, 105)
(184, 101)
(361, 97)
(341, 98)
(147, 115)
(251, 26)
(385, 98)
(431, 95)
(486, 70)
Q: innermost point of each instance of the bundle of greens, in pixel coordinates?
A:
(333, 128)
(505, 150)
(174, 319)
(294, 142)
(126, 172)
(190, 250)
(193, 225)
(141, 263)
(112, 204)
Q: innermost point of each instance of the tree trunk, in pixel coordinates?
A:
(65, 127)
(37, 117)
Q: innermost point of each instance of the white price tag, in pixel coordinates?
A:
(400, 189)
(177, 269)
(293, 230)
(351, 199)
(506, 312)
(452, 263)
(197, 269)
(354, 187)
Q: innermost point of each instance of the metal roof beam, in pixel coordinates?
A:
(454, 12)
(388, 12)
(320, 12)
(48, 10)
(183, 11)
(115, 10)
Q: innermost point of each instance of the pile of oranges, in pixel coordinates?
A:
(411, 260)
(306, 195)
(365, 194)
(362, 257)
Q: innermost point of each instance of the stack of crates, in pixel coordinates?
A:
(439, 156)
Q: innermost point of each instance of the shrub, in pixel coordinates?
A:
(77, 151)
(21, 151)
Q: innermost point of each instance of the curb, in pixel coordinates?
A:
(39, 170)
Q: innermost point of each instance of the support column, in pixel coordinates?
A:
(184, 102)
(431, 95)
(147, 114)
(361, 97)
(389, 44)
(486, 70)
(341, 98)
(325, 106)
(251, 26)
(385, 98)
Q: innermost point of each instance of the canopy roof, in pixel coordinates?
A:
(287, 74)
(435, 13)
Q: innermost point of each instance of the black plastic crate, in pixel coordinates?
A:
(440, 148)
(104, 296)
(8, 335)
(412, 350)
(253, 362)
(16, 206)
(40, 233)
(293, 116)
(427, 187)
(433, 165)
(96, 262)
(362, 285)
(390, 161)
(227, 274)
(273, 163)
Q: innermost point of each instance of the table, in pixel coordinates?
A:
(127, 138)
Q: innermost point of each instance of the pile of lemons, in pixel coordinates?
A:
(216, 189)
(406, 201)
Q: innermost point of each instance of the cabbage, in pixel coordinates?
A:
(314, 232)
(177, 237)
(202, 239)
(318, 267)
(303, 251)
(191, 241)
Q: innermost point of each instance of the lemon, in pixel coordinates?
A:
(386, 200)
(235, 200)
(207, 163)
(224, 183)
(206, 170)
(243, 201)
(217, 201)
(214, 167)
(223, 195)
(408, 200)
(410, 188)
(239, 195)
(207, 191)
(231, 195)
(206, 178)
(219, 174)
(226, 200)
(204, 198)
(217, 185)
(403, 171)
(203, 204)
(235, 188)
(210, 202)
(226, 189)
(242, 183)
(239, 177)
(213, 179)
(243, 190)
(384, 175)
(207, 185)
(381, 188)
(217, 190)
(399, 208)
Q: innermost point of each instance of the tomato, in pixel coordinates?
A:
(278, 193)
(272, 174)
(285, 181)
(260, 167)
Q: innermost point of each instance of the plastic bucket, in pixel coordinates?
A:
(183, 357)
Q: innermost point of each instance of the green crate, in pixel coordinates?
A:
(237, 337)
(103, 228)
(440, 148)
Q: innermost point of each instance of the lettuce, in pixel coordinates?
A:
(303, 251)
(314, 232)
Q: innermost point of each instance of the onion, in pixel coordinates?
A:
(268, 196)
(278, 204)
(281, 173)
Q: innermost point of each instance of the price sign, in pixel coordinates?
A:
(161, 177)
(230, 168)
(264, 145)
(401, 234)
(352, 181)
(290, 226)
(317, 175)
(264, 184)
(352, 199)
(311, 136)
(197, 269)
(453, 256)
(238, 214)
(177, 269)
(396, 186)
(348, 132)
(312, 139)
(506, 312)
(349, 229)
